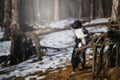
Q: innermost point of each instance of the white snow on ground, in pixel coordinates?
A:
(35, 77)
(101, 20)
(62, 39)
(67, 22)
(97, 29)
(58, 24)
(39, 26)
(29, 66)
(5, 48)
(61, 24)
(1, 33)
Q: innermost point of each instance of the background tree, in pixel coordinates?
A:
(15, 29)
(56, 11)
(115, 17)
(7, 18)
(21, 45)
(101, 8)
(80, 9)
(1, 12)
(91, 9)
(107, 8)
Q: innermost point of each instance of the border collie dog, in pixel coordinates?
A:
(82, 38)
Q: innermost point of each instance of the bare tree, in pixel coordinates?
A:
(56, 11)
(15, 29)
(1, 11)
(80, 9)
(101, 8)
(115, 17)
(20, 46)
(6, 22)
(91, 9)
(31, 12)
(36, 11)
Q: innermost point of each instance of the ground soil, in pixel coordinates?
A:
(66, 73)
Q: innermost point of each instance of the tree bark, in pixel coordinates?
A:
(56, 11)
(101, 9)
(6, 22)
(80, 10)
(92, 9)
(15, 29)
(115, 17)
(1, 12)
(31, 12)
(36, 10)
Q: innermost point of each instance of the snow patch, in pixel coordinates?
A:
(101, 20)
(5, 48)
(97, 29)
(62, 39)
(29, 66)
(34, 77)
(61, 24)
(1, 35)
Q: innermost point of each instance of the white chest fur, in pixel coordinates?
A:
(80, 35)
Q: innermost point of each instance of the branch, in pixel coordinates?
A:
(66, 28)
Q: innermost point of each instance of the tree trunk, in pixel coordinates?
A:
(101, 9)
(20, 45)
(31, 12)
(107, 8)
(36, 11)
(1, 12)
(56, 11)
(115, 17)
(92, 8)
(6, 22)
(15, 29)
(80, 10)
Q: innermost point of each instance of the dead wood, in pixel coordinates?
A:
(96, 24)
(37, 44)
(23, 49)
(67, 28)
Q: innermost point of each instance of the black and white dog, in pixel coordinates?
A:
(82, 39)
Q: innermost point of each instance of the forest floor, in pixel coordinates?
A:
(61, 73)
(56, 64)
(66, 73)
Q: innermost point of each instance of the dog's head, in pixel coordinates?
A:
(77, 24)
